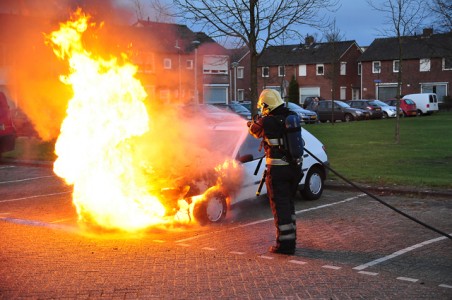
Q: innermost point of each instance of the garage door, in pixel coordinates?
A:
(215, 94)
(309, 92)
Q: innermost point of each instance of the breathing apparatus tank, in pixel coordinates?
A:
(293, 138)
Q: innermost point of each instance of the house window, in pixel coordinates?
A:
(167, 63)
(215, 64)
(396, 66)
(240, 94)
(302, 70)
(265, 72)
(240, 72)
(376, 67)
(343, 93)
(359, 68)
(320, 69)
(343, 68)
(145, 61)
(281, 71)
(447, 63)
(190, 64)
(424, 65)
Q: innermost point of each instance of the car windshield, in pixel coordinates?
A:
(341, 104)
(239, 108)
(409, 101)
(379, 103)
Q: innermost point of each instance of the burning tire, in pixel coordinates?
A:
(212, 210)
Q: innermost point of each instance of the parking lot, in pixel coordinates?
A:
(349, 246)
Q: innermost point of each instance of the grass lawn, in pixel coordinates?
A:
(362, 151)
(366, 151)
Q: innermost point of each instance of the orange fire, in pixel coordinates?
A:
(103, 149)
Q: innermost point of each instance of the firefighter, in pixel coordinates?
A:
(282, 174)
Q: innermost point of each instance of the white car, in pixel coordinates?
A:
(245, 150)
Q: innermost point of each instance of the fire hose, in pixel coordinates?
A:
(378, 199)
(355, 186)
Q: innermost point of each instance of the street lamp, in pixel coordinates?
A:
(196, 43)
(234, 66)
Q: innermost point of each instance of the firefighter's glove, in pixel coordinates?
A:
(249, 123)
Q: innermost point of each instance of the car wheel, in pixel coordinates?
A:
(313, 185)
(385, 115)
(348, 118)
(212, 209)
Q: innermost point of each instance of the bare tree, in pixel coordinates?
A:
(257, 24)
(404, 18)
(442, 10)
(332, 36)
(157, 11)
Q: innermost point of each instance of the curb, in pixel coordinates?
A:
(390, 190)
(329, 184)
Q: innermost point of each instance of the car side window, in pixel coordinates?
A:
(250, 146)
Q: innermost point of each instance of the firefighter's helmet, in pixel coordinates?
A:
(269, 99)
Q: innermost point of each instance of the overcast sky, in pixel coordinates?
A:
(355, 19)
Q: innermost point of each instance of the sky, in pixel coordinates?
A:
(355, 19)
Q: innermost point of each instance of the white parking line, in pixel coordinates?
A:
(331, 267)
(35, 196)
(298, 262)
(26, 179)
(368, 273)
(407, 279)
(397, 253)
(445, 286)
(271, 219)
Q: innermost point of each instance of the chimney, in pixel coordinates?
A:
(309, 40)
(426, 32)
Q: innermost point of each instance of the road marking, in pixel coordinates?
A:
(209, 249)
(368, 273)
(407, 279)
(36, 196)
(237, 252)
(298, 262)
(331, 267)
(26, 179)
(302, 211)
(271, 219)
(183, 245)
(7, 167)
(158, 241)
(445, 286)
(397, 253)
(265, 257)
(38, 223)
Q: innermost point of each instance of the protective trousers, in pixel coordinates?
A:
(282, 183)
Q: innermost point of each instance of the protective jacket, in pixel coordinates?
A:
(282, 176)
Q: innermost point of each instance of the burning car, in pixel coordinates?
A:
(245, 151)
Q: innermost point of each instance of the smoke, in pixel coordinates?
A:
(32, 80)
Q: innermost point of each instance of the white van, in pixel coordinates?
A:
(426, 103)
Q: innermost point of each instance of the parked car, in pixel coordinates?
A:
(342, 111)
(310, 99)
(407, 106)
(236, 108)
(369, 105)
(307, 116)
(244, 149)
(388, 110)
(426, 103)
(7, 129)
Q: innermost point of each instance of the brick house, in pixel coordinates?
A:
(193, 66)
(240, 79)
(328, 70)
(426, 66)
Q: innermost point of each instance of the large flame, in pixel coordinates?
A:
(100, 141)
